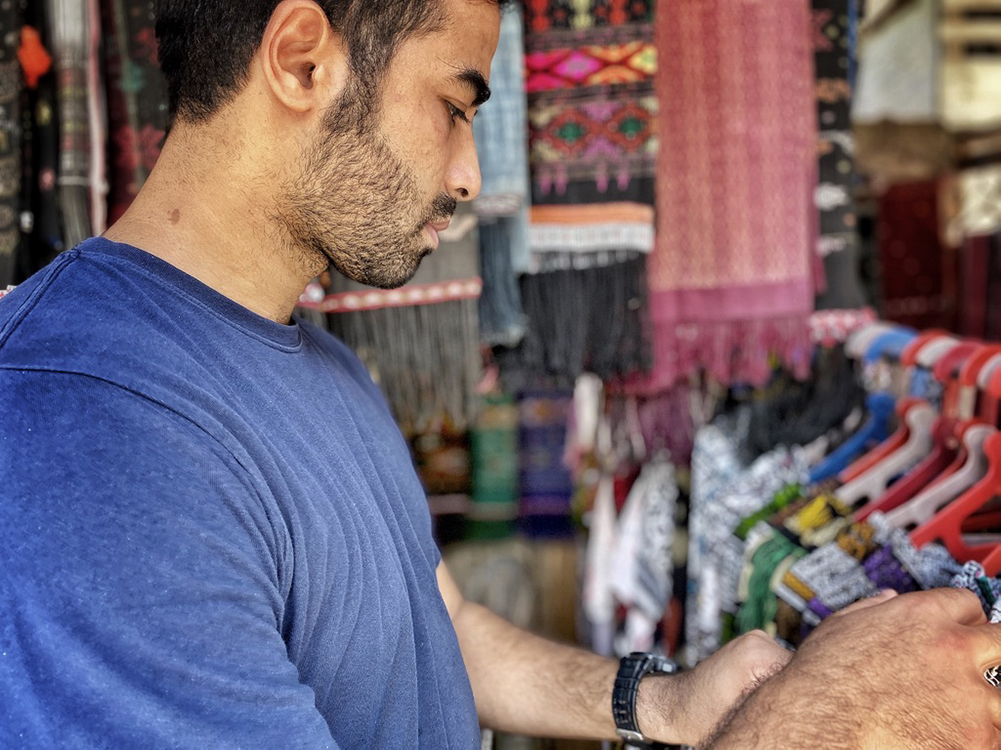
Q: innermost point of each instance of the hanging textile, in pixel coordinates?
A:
(918, 271)
(731, 278)
(41, 230)
(420, 342)
(137, 98)
(71, 25)
(11, 83)
(592, 120)
(546, 484)
(494, 448)
(838, 244)
(501, 131)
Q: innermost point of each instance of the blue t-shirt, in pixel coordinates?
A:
(211, 531)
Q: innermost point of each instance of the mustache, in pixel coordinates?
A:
(442, 209)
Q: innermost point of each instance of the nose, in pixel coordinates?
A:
(462, 180)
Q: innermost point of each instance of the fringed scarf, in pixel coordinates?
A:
(731, 275)
(501, 130)
(592, 124)
(137, 98)
(420, 342)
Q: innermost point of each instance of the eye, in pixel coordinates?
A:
(455, 113)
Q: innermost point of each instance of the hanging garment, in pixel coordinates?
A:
(838, 244)
(41, 230)
(592, 125)
(494, 446)
(11, 84)
(501, 131)
(137, 98)
(71, 23)
(546, 484)
(918, 273)
(724, 491)
(420, 342)
(731, 278)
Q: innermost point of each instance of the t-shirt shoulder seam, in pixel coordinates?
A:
(132, 392)
(36, 295)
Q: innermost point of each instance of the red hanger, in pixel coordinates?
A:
(969, 386)
(947, 525)
(945, 446)
(888, 446)
(909, 357)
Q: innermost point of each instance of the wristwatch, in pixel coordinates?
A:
(632, 669)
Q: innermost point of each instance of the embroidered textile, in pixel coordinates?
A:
(592, 118)
(731, 275)
(546, 484)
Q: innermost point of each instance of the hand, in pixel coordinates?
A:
(906, 672)
(684, 709)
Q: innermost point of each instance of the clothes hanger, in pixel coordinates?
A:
(858, 342)
(880, 409)
(947, 524)
(970, 468)
(969, 377)
(925, 351)
(971, 463)
(945, 447)
(872, 483)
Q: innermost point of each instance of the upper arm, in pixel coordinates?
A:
(142, 600)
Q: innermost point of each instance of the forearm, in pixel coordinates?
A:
(528, 685)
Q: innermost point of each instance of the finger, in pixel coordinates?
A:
(988, 645)
(960, 605)
(882, 597)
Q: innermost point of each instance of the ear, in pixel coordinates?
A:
(304, 61)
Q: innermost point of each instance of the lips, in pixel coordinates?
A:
(435, 228)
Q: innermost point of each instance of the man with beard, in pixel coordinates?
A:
(211, 532)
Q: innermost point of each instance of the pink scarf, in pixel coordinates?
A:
(731, 276)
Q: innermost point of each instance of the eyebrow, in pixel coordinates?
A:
(477, 84)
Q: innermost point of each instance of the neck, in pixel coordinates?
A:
(207, 210)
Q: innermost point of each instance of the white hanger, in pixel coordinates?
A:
(934, 350)
(928, 502)
(858, 342)
(873, 482)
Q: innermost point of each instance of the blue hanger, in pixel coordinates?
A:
(876, 429)
(890, 344)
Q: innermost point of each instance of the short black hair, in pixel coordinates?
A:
(205, 46)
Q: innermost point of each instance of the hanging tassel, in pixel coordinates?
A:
(425, 358)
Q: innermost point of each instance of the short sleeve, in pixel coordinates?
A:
(141, 593)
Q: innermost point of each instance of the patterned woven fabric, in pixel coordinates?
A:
(731, 278)
(137, 98)
(592, 108)
(592, 116)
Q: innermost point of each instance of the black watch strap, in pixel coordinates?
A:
(632, 669)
